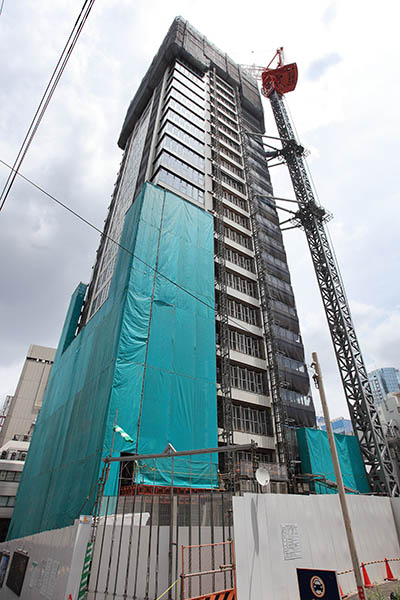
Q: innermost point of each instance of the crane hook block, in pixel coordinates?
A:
(283, 79)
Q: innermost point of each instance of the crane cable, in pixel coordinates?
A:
(48, 93)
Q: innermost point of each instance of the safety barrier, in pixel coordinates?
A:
(366, 579)
(371, 562)
(211, 569)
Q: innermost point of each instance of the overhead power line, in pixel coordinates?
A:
(78, 216)
(48, 93)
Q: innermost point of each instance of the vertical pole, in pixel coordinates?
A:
(339, 479)
(183, 573)
(171, 530)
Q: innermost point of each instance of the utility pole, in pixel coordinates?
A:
(339, 479)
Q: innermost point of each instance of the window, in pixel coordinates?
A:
(230, 167)
(291, 363)
(247, 379)
(225, 140)
(181, 110)
(233, 183)
(182, 132)
(222, 117)
(279, 284)
(227, 104)
(173, 163)
(231, 154)
(170, 144)
(292, 397)
(252, 420)
(10, 475)
(287, 334)
(270, 228)
(243, 312)
(224, 85)
(237, 237)
(245, 344)
(197, 100)
(267, 240)
(197, 79)
(225, 125)
(223, 91)
(282, 307)
(197, 88)
(191, 106)
(275, 261)
(237, 218)
(235, 199)
(240, 260)
(180, 185)
(7, 501)
(241, 284)
(228, 130)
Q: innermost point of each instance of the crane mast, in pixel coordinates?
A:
(311, 217)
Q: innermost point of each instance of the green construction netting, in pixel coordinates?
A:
(316, 459)
(146, 359)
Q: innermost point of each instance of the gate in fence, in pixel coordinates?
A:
(163, 542)
(208, 572)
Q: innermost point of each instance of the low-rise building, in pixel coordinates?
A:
(339, 425)
(24, 406)
(12, 460)
(17, 420)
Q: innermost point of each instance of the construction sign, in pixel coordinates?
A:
(317, 584)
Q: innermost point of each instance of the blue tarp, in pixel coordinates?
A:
(147, 355)
(316, 459)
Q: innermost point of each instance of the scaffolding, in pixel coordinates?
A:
(279, 412)
(222, 307)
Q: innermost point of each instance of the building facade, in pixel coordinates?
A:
(389, 414)
(194, 127)
(12, 461)
(339, 425)
(18, 418)
(24, 407)
(190, 314)
(383, 381)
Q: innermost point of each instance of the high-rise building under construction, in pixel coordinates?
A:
(190, 318)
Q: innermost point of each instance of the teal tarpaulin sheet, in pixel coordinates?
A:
(147, 356)
(316, 459)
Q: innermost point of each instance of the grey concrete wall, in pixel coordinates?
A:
(275, 534)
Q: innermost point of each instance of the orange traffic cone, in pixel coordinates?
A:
(389, 574)
(341, 592)
(367, 581)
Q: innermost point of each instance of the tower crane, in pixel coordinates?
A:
(312, 217)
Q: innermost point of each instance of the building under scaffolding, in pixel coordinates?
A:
(190, 317)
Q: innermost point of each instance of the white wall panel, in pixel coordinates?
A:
(50, 555)
(263, 571)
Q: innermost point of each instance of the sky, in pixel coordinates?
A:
(345, 110)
